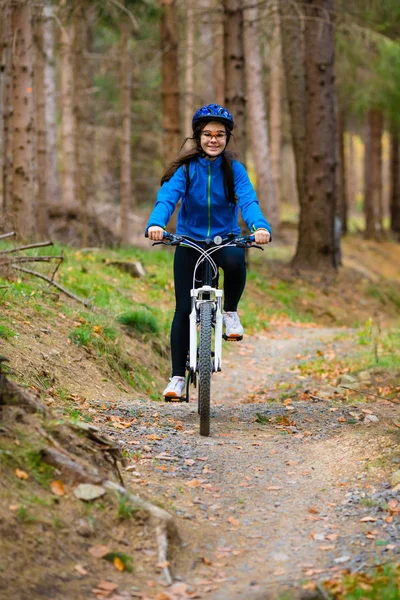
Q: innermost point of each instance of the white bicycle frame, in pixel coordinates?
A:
(205, 293)
(214, 298)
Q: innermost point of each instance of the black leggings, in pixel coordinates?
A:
(232, 262)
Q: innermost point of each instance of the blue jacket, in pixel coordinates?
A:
(205, 210)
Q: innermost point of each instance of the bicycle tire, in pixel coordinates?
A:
(205, 367)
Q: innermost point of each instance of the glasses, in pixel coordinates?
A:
(219, 135)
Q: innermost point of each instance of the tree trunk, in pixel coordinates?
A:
(219, 71)
(395, 183)
(126, 91)
(68, 126)
(23, 192)
(189, 70)
(316, 246)
(53, 191)
(169, 81)
(206, 92)
(293, 59)
(41, 141)
(258, 116)
(342, 208)
(235, 99)
(373, 176)
(275, 102)
(5, 106)
(351, 171)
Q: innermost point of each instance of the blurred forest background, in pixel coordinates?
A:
(96, 96)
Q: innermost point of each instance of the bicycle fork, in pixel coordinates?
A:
(206, 293)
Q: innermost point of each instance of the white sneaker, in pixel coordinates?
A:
(233, 326)
(175, 388)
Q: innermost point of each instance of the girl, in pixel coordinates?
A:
(212, 186)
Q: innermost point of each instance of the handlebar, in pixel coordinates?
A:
(241, 241)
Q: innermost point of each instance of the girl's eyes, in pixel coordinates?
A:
(210, 134)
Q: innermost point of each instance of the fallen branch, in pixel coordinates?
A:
(37, 245)
(3, 236)
(57, 285)
(369, 394)
(165, 527)
(34, 259)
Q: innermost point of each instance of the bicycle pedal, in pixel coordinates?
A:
(236, 338)
(175, 400)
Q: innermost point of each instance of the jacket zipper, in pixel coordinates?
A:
(209, 200)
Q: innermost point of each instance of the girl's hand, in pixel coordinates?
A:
(155, 233)
(262, 236)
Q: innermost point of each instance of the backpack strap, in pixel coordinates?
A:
(186, 167)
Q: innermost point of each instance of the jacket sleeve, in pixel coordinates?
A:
(247, 200)
(167, 198)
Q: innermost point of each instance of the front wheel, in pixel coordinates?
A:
(205, 367)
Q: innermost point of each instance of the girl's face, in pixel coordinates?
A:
(213, 139)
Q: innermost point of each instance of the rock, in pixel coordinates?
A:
(135, 269)
(395, 478)
(84, 528)
(370, 419)
(347, 380)
(88, 491)
(364, 376)
(341, 559)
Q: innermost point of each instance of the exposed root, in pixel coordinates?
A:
(165, 525)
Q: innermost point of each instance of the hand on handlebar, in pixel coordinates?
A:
(155, 233)
(262, 236)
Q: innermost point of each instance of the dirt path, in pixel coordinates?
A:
(273, 501)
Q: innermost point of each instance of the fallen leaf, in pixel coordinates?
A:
(273, 488)
(368, 520)
(192, 483)
(81, 570)
(189, 462)
(21, 474)
(233, 521)
(105, 588)
(57, 487)
(118, 564)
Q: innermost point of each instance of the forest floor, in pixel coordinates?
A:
(296, 486)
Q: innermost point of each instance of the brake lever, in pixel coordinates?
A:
(164, 243)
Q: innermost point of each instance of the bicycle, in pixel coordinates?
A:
(206, 315)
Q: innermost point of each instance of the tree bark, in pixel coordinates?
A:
(395, 183)
(219, 71)
(316, 246)
(5, 107)
(373, 175)
(23, 191)
(258, 116)
(206, 91)
(189, 70)
(126, 91)
(169, 81)
(290, 13)
(342, 209)
(41, 138)
(68, 125)
(275, 103)
(235, 99)
(53, 190)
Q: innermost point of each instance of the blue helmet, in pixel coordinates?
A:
(213, 112)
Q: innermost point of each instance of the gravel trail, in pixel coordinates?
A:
(292, 486)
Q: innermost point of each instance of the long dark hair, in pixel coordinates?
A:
(186, 157)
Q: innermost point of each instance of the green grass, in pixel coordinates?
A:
(139, 320)
(381, 583)
(6, 333)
